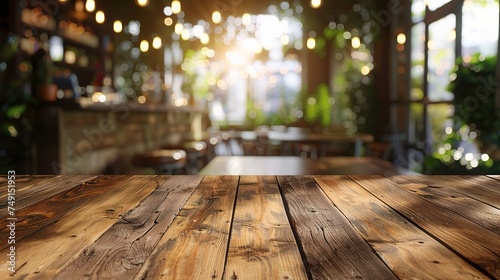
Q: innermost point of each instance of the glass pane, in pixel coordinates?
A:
(417, 10)
(439, 116)
(441, 45)
(480, 28)
(416, 125)
(434, 4)
(417, 61)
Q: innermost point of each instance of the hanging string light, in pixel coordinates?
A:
(100, 17)
(142, 3)
(216, 17)
(315, 3)
(156, 42)
(355, 42)
(117, 26)
(144, 46)
(311, 43)
(90, 6)
(204, 39)
(178, 28)
(176, 6)
(246, 19)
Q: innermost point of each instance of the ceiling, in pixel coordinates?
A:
(152, 17)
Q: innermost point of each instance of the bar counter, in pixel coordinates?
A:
(251, 227)
(92, 138)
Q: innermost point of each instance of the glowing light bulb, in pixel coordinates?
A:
(178, 28)
(204, 38)
(316, 3)
(401, 38)
(144, 46)
(156, 42)
(311, 43)
(246, 19)
(117, 26)
(142, 3)
(100, 17)
(176, 6)
(355, 42)
(90, 6)
(216, 17)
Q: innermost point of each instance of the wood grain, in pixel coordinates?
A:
(332, 247)
(481, 188)
(262, 245)
(396, 240)
(30, 190)
(123, 249)
(479, 245)
(195, 245)
(47, 212)
(472, 209)
(43, 255)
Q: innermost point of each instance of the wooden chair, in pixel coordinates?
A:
(163, 161)
(196, 151)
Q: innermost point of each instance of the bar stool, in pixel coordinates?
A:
(195, 151)
(212, 142)
(163, 161)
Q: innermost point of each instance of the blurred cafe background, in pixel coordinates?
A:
(184, 87)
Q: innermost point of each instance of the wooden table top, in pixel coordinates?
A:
(292, 165)
(252, 227)
(318, 137)
(303, 136)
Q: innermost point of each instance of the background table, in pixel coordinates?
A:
(289, 165)
(253, 227)
(290, 138)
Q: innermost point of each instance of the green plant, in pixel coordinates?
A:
(42, 68)
(318, 107)
(474, 97)
(15, 101)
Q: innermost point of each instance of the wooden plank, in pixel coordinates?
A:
(262, 244)
(475, 243)
(481, 188)
(123, 249)
(23, 181)
(49, 211)
(397, 241)
(43, 255)
(478, 212)
(30, 190)
(195, 245)
(496, 177)
(332, 247)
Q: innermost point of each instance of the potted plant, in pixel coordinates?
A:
(474, 92)
(16, 101)
(43, 84)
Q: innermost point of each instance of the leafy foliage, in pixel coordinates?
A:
(474, 91)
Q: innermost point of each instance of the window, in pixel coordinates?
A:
(440, 32)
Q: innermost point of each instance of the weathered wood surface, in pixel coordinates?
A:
(262, 244)
(254, 227)
(397, 241)
(121, 251)
(332, 246)
(195, 245)
(50, 248)
(479, 245)
(49, 211)
(32, 189)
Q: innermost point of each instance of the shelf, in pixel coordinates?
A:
(73, 67)
(66, 39)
